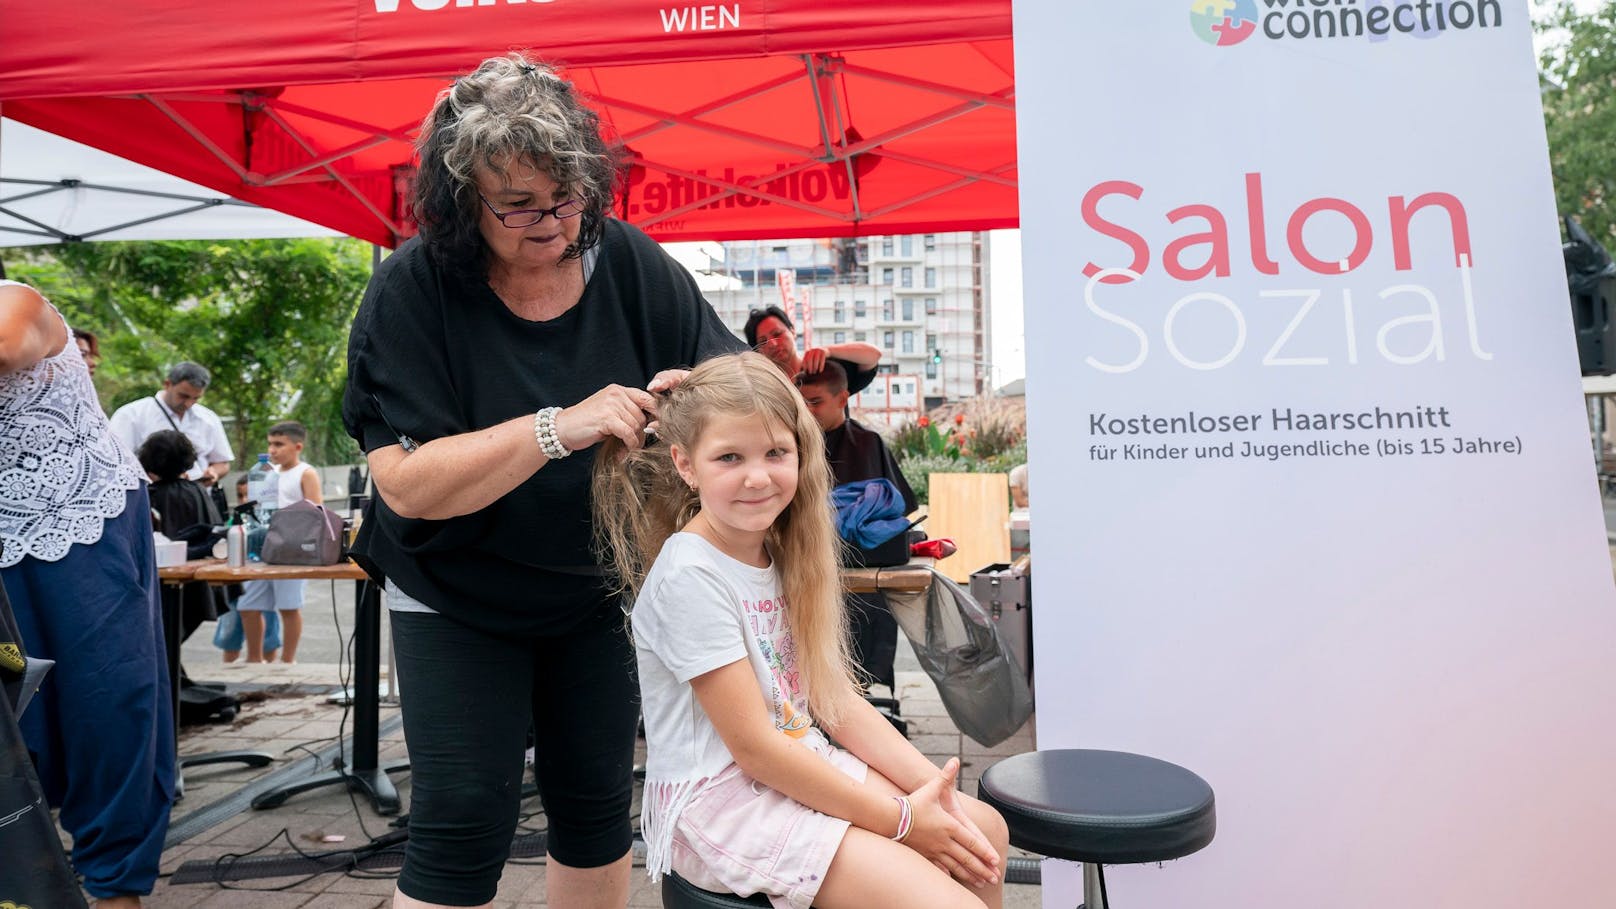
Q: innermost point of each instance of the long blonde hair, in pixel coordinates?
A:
(639, 501)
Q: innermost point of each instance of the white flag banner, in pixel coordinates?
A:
(1320, 520)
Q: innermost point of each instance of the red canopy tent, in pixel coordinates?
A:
(756, 118)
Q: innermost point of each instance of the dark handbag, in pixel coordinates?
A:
(303, 533)
(892, 553)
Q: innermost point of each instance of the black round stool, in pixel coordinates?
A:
(678, 893)
(1100, 808)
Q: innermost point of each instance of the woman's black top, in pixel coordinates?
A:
(430, 357)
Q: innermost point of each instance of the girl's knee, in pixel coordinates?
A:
(965, 899)
(991, 823)
(1000, 835)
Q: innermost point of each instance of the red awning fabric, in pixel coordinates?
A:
(745, 119)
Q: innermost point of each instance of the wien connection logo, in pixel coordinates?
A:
(1223, 22)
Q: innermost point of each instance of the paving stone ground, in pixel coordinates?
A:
(292, 719)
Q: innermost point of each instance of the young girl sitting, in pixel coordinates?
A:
(741, 642)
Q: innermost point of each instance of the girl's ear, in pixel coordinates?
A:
(681, 463)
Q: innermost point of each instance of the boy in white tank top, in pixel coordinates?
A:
(295, 481)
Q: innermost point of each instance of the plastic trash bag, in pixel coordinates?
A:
(1586, 261)
(33, 870)
(984, 688)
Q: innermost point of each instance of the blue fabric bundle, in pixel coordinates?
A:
(868, 512)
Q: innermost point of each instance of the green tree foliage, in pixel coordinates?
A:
(1579, 110)
(269, 319)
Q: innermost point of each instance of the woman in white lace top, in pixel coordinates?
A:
(77, 561)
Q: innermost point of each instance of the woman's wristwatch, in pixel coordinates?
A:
(544, 429)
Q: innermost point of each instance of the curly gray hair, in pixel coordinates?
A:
(510, 110)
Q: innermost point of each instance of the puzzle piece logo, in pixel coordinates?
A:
(1223, 22)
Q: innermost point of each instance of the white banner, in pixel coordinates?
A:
(1320, 520)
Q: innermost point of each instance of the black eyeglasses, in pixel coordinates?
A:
(527, 217)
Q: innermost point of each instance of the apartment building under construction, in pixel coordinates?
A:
(921, 298)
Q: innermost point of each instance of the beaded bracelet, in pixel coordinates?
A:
(906, 818)
(544, 430)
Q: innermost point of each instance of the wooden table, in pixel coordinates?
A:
(215, 571)
(184, 572)
(915, 576)
(177, 576)
(362, 772)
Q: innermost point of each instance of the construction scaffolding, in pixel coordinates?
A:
(922, 299)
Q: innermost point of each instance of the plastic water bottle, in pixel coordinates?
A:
(257, 531)
(263, 487)
(263, 490)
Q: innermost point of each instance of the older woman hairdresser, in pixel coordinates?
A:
(489, 357)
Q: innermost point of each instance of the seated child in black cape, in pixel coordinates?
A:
(178, 507)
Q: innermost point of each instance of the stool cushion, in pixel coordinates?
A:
(678, 893)
(1108, 807)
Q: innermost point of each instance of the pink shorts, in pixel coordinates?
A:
(739, 836)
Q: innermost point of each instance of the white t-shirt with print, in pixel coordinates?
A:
(699, 610)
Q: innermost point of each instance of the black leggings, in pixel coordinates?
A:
(468, 698)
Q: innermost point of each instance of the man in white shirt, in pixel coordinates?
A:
(176, 407)
(1019, 492)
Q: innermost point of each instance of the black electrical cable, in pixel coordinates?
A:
(224, 863)
(390, 842)
(345, 664)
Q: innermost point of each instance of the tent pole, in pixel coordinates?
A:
(2, 161)
(695, 113)
(811, 61)
(819, 79)
(364, 200)
(201, 138)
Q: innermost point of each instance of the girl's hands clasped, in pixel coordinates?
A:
(944, 835)
(612, 411)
